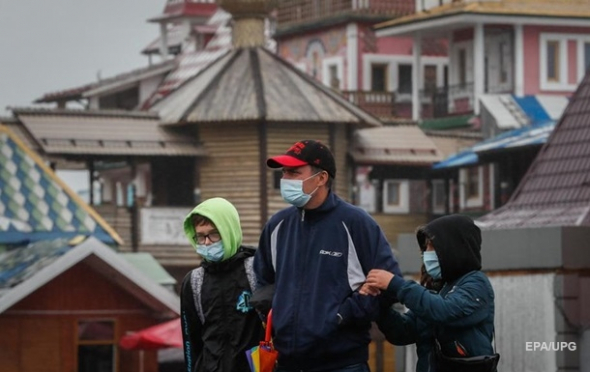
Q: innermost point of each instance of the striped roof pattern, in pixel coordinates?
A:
(555, 191)
(255, 84)
(35, 204)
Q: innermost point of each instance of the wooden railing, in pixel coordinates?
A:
(291, 12)
(380, 104)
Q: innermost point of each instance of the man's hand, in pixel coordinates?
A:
(368, 290)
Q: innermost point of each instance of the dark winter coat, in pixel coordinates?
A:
(317, 260)
(231, 326)
(461, 316)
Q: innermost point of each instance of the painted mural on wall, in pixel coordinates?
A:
(308, 52)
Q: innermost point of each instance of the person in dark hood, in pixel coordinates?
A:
(218, 322)
(459, 318)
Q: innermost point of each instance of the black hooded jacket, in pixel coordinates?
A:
(461, 315)
(457, 242)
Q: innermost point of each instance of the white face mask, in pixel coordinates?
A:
(292, 191)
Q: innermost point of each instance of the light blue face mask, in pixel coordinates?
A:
(292, 191)
(431, 264)
(213, 252)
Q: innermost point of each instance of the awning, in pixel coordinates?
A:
(160, 336)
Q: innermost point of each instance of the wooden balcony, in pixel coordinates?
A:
(293, 13)
(380, 104)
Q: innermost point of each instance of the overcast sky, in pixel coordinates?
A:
(51, 45)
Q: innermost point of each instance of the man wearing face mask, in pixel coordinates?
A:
(218, 322)
(317, 253)
(457, 320)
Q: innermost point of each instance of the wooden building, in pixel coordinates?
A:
(64, 306)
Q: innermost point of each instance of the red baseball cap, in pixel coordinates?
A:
(306, 152)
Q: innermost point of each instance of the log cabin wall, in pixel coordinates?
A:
(232, 170)
(393, 225)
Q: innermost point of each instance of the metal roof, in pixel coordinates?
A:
(394, 145)
(532, 116)
(104, 132)
(107, 84)
(254, 84)
(555, 191)
(25, 269)
(35, 204)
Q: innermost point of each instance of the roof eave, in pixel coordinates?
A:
(457, 20)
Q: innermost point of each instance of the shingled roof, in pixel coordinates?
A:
(251, 84)
(556, 188)
(36, 205)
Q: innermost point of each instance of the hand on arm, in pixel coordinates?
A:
(377, 280)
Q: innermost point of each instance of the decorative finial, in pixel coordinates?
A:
(248, 16)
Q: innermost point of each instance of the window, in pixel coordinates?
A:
(586, 56)
(472, 183)
(471, 190)
(96, 346)
(405, 78)
(462, 63)
(503, 63)
(396, 196)
(555, 61)
(333, 74)
(438, 196)
(378, 78)
(429, 79)
(552, 61)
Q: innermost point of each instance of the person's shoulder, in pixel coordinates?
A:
(354, 212)
(281, 215)
(478, 277)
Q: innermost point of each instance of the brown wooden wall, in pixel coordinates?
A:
(40, 332)
(232, 171)
(232, 167)
(394, 224)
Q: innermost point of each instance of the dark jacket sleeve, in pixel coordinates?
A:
(191, 325)
(466, 304)
(374, 252)
(399, 329)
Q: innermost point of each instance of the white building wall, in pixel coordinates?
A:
(525, 312)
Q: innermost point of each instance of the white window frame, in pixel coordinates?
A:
(404, 197)
(329, 62)
(562, 83)
(470, 202)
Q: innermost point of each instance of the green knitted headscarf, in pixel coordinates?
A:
(226, 219)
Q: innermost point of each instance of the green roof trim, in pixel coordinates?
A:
(448, 122)
(147, 264)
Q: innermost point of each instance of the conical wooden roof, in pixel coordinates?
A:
(253, 84)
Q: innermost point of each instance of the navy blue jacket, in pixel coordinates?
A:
(318, 259)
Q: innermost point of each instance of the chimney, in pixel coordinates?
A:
(248, 20)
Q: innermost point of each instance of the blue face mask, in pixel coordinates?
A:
(431, 264)
(213, 252)
(292, 191)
